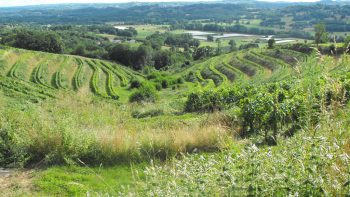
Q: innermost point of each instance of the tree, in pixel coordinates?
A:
(162, 59)
(218, 50)
(35, 40)
(121, 53)
(321, 35)
(143, 56)
(233, 45)
(80, 50)
(186, 47)
(210, 38)
(271, 43)
(202, 52)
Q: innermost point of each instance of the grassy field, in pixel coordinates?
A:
(66, 134)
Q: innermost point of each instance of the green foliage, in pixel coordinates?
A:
(210, 38)
(165, 84)
(248, 46)
(271, 43)
(146, 93)
(135, 83)
(203, 52)
(303, 165)
(34, 40)
(321, 35)
(280, 108)
(233, 45)
(60, 180)
(11, 154)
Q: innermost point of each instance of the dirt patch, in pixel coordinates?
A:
(16, 182)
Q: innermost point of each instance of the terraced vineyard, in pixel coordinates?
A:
(37, 75)
(256, 65)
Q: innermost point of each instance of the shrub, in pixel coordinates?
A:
(135, 83)
(165, 84)
(158, 87)
(180, 80)
(11, 155)
(146, 93)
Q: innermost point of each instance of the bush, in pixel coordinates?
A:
(158, 87)
(165, 84)
(135, 83)
(146, 93)
(180, 80)
(11, 155)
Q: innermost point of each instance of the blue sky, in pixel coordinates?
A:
(36, 2)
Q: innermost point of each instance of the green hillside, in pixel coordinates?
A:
(39, 75)
(226, 114)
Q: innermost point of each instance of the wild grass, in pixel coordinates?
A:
(313, 162)
(61, 132)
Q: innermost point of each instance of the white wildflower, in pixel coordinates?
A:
(254, 148)
(269, 153)
(329, 156)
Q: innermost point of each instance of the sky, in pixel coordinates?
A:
(6, 3)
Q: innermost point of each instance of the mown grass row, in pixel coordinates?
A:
(17, 86)
(228, 72)
(117, 72)
(95, 80)
(110, 89)
(244, 68)
(58, 76)
(78, 75)
(288, 56)
(57, 80)
(38, 75)
(222, 78)
(263, 62)
(21, 62)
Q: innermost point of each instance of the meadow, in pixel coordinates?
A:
(224, 125)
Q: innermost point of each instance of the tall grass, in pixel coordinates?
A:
(63, 131)
(308, 164)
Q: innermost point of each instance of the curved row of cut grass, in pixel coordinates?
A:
(19, 67)
(38, 75)
(94, 82)
(121, 77)
(78, 75)
(226, 63)
(282, 69)
(288, 56)
(247, 69)
(228, 72)
(58, 79)
(212, 66)
(262, 72)
(110, 87)
(208, 74)
(17, 86)
(263, 62)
